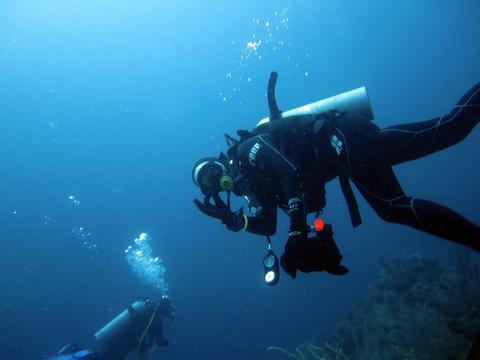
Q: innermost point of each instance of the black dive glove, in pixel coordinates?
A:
(319, 253)
(295, 249)
(235, 221)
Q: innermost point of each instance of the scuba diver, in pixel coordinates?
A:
(137, 330)
(286, 160)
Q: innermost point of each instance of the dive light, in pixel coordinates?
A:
(271, 266)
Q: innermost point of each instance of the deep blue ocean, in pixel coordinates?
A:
(106, 105)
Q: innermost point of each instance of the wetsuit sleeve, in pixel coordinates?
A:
(264, 224)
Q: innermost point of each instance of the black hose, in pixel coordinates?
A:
(275, 113)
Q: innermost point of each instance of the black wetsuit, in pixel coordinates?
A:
(288, 169)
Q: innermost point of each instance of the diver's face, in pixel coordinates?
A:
(209, 179)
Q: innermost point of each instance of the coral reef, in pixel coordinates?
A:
(310, 351)
(416, 309)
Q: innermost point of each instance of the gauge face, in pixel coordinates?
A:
(269, 261)
(270, 276)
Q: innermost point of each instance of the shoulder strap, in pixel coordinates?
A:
(351, 201)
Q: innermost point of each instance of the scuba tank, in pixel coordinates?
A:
(139, 326)
(121, 323)
(356, 101)
(353, 101)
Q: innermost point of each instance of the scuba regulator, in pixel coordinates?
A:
(211, 176)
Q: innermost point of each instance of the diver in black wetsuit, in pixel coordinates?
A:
(288, 168)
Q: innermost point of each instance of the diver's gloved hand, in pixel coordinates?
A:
(294, 252)
(323, 254)
(235, 221)
(315, 254)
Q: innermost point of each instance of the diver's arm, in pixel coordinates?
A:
(263, 224)
(288, 174)
(296, 204)
(284, 169)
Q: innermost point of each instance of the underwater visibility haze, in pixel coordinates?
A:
(106, 105)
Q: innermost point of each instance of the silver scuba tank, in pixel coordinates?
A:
(115, 328)
(355, 101)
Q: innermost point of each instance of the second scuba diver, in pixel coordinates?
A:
(134, 333)
(285, 164)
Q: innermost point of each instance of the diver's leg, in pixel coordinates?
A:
(363, 160)
(383, 192)
(407, 142)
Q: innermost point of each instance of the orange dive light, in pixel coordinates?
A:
(319, 225)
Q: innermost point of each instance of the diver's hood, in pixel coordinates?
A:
(201, 165)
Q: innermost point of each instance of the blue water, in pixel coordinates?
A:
(112, 101)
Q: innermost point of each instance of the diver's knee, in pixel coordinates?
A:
(387, 213)
(395, 211)
(471, 97)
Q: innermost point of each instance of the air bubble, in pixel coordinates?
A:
(73, 200)
(147, 267)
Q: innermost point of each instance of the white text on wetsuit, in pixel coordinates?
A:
(336, 144)
(253, 153)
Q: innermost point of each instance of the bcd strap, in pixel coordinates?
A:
(351, 201)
